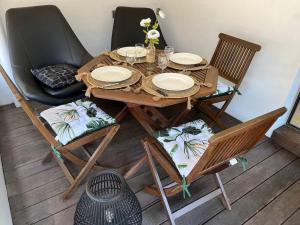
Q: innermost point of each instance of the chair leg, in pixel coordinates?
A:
(86, 169)
(224, 198)
(159, 184)
(204, 107)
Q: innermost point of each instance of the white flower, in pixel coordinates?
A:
(153, 34)
(160, 13)
(145, 22)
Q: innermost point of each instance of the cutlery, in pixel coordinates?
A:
(109, 85)
(116, 63)
(209, 85)
(161, 92)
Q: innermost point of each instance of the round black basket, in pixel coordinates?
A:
(108, 200)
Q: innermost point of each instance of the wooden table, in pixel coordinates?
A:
(141, 105)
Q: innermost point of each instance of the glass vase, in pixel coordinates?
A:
(150, 57)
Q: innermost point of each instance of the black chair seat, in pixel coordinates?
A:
(40, 36)
(66, 91)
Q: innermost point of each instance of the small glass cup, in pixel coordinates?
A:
(169, 50)
(162, 61)
(139, 48)
(131, 57)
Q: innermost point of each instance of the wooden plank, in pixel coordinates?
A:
(254, 201)
(14, 140)
(287, 137)
(31, 152)
(294, 219)
(56, 204)
(280, 209)
(34, 196)
(28, 170)
(235, 189)
(34, 181)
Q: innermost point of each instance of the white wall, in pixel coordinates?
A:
(193, 25)
(5, 95)
(5, 217)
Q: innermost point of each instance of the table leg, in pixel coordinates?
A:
(149, 125)
(120, 116)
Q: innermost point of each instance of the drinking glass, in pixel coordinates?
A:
(169, 50)
(162, 61)
(139, 48)
(131, 57)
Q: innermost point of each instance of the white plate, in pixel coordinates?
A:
(173, 81)
(140, 52)
(111, 74)
(185, 58)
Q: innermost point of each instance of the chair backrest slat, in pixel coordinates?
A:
(233, 142)
(232, 57)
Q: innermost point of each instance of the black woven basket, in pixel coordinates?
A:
(108, 200)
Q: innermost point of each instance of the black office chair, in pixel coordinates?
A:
(127, 30)
(40, 36)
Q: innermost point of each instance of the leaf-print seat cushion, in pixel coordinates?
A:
(75, 119)
(222, 89)
(185, 144)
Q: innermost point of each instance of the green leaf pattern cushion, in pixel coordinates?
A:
(222, 89)
(75, 119)
(185, 144)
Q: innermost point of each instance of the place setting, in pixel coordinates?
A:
(139, 52)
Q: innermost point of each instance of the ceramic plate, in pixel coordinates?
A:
(173, 81)
(185, 58)
(140, 52)
(111, 74)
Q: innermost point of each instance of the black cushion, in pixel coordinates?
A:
(56, 76)
(40, 36)
(127, 30)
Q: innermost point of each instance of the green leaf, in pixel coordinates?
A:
(69, 114)
(91, 112)
(191, 130)
(161, 133)
(64, 129)
(96, 124)
(155, 26)
(174, 149)
(181, 166)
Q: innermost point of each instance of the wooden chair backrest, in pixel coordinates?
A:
(232, 57)
(233, 142)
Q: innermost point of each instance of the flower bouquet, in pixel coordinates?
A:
(152, 35)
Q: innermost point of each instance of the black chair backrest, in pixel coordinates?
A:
(40, 36)
(127, 30)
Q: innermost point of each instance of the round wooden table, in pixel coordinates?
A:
(142, 106)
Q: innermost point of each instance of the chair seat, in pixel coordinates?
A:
(185, 144)
(222, 89)
(66, 91)
(75, 119)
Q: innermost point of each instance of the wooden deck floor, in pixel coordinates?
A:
(267, 193)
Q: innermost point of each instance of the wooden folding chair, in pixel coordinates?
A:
(222, 147)
(232, 57)
(65, 151)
